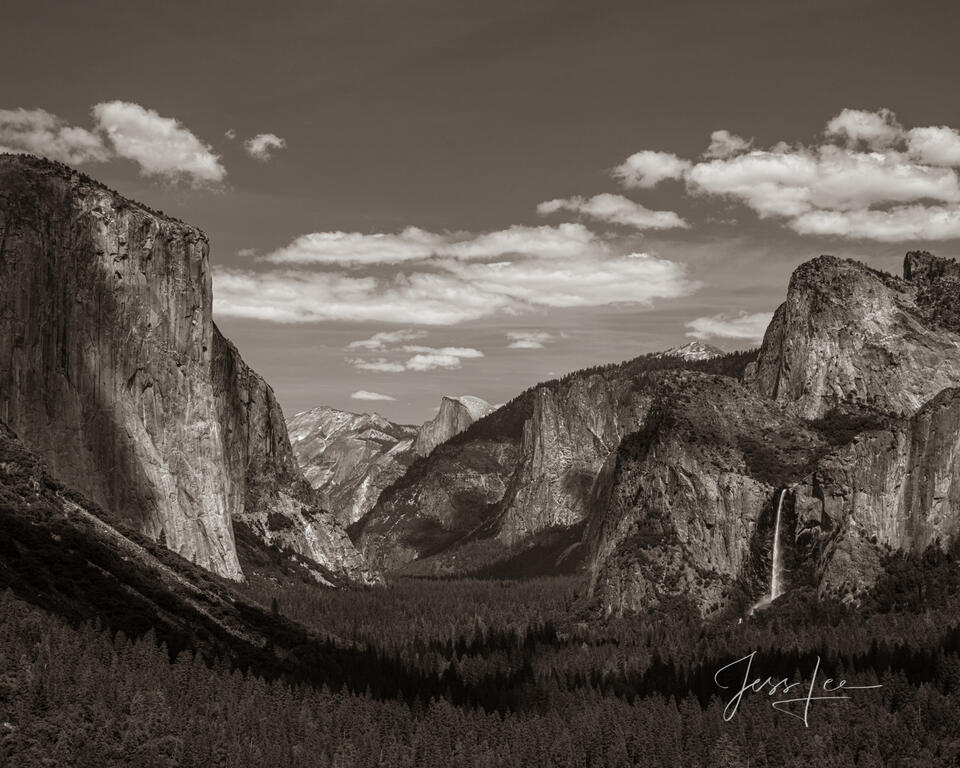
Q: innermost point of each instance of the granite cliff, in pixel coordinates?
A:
(846, 330)
(350, 457)
(112, 370)
(518, 476)
(850, 412)
(454, 416)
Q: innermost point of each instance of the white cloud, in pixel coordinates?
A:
(454, 292)
(429, 361)
(41, 133)
(230, 134)
(935, 145)
(415, 244)
(722, 326)
(647, 169)
(161, 146)
(383, 339)
(423, 358)
(877, 130)
(909, 222)
(380, 365)
(262, 145)
(790, 182)
(868, 178)
(615, 209)
(362, 394)
(724, 144)
(529, 339)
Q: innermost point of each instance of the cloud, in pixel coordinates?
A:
(230, 134)
(911, 222)
(423, 358)
(529, 339)
(741, 326)
(384, 339)
(875, 130)
(789, 182)
(454, 292)
(866, 177)
(415, 244)
(380, 365)
(161, 146)
(615, 209)
(647, 169)
(262, 145)
(725, 144)
(41, 133)
(448, 357)
(362, 394)
(935, 145)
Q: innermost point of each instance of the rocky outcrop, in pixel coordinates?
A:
(523, 470)
(684, 509)
(848, 331)
(270, 494)
(454, 416)
(112, 370)
(894, 487)
(848, 412)
(350, 457)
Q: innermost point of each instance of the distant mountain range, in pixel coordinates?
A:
(351, 457)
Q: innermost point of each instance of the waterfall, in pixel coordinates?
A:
(776, 577)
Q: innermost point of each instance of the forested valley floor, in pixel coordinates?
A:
(497, 673)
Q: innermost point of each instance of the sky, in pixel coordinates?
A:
(428, 197)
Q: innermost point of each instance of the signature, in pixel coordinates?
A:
(834, 690)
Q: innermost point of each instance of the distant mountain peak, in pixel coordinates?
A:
(694, 350)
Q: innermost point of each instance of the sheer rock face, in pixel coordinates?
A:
(846, 330)
(893, 488)
(454, 416)
(525, 468)
(107, 351)
(350, 457)
(270, 494)
(685, 506)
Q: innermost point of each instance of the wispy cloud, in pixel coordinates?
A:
(415, 244)
(41, 133)
(362, 394)
(741, 326)
(417, 357)
(615, 209)
(384, 339)
(529, 339)
(450, 291)
(262, 146)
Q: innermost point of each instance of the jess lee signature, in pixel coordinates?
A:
(833, 689)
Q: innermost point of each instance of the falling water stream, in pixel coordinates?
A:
(775, 576)
(776, 567)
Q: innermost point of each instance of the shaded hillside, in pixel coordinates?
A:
(528, 467)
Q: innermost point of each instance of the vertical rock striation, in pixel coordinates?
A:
(848, 331)
(454, 416)
(112, 371)
(350, 457)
